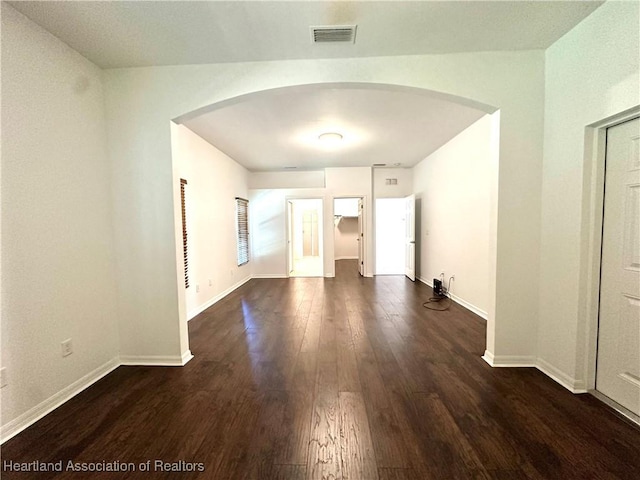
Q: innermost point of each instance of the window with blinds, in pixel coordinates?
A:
(242, 220)
(183, 207)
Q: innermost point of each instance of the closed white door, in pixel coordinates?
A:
(361, 236)
(618, 367)
(410, 237)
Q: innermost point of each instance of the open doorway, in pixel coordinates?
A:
(390, 236)
(304, 237)
(395, 236)
(348, 215)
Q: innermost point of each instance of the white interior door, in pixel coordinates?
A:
(410, 237)
(361, 236)
(618, 367)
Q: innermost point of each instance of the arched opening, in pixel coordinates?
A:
(270, 248)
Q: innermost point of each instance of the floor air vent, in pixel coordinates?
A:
(334, 34)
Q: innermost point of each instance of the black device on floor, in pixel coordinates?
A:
(437, 288)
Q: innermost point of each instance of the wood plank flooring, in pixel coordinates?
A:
(345, 378)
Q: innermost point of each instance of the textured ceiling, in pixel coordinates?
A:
(142, 33)
(279, 128)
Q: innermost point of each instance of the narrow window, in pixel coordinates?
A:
(242, 220)
(183, 182)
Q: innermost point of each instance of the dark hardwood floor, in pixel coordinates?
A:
(345, 378)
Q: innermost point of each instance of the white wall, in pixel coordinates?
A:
(213, 182)
(268, 229)
(591, 73)
(453, 194)
(402, 189)
(268, 219)
(346, 238)
(286, 179)
(58, 260)
(345, 207)
(355, 182)
(60, 238)
(141, 101)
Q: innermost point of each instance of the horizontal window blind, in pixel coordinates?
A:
(183, 182)
(242, 217)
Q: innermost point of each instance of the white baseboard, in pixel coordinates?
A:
(216, 298)
(509, 360)
(346, 258)
(186, 357)
(34, 414)
(571, 384)
(269, 275)
(156, 360)
(31, 416)
(469, 306)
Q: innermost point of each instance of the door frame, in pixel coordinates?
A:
(365, 250)
(409, 245)
(591, 258)
(321, 238)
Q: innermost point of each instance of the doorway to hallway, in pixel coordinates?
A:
(348, 215)
(304, 237)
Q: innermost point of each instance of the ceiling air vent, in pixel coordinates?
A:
(334, 34)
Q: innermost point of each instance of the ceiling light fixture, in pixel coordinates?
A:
(330, 138)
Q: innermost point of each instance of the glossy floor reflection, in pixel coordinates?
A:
(345, 378)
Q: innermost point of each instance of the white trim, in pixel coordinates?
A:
(34, 414)
(346, 258)
(488, 357)
(269, 275)
(571, 384)
(186, 357)
(216, 298)
(156, 360)
(469, 306)
(590, 258)
(367, 227)
(499, 361)
(321, 222)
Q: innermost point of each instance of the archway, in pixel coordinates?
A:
(282, 92)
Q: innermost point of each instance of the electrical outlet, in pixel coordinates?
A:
(67, 348)
(197, 288)
(209, 282)
(3, 377)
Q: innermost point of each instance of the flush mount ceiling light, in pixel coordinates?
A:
(330, 138)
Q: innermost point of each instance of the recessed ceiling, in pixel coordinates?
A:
(116, 34)
(276, 129)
